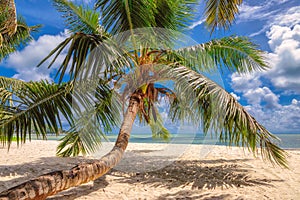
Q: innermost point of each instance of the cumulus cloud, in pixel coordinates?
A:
(265, 105)
(252, 89)
(24, 62)
(245, 82)
(259, 95)
(288, 17)
(285, 58)
(284, 119)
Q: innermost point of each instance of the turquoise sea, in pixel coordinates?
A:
(288, 141)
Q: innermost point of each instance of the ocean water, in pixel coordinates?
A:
(288, 141)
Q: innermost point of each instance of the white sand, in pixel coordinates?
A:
(160, 171)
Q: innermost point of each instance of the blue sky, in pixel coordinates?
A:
(272, 96)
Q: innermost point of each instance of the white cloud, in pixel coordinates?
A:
(258, 96)
(289, 18)
(81, 1)
(250, 86)
(283, 119)
(245, 82)
(24, 62)
(262, 10)
(283, 32)
(197, 23)
(235, 96)
(295, 102)
(250, 13)
(281, 17)
(285, 58)
(264, 105)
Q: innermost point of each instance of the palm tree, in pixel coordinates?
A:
(13, 30)
(9, 17)
(133, 44)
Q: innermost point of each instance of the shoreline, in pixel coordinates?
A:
(160, 171)
(288, 141)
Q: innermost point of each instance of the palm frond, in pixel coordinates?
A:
(221, 13)
(174, 15)
(108, 108)
(10, 43)
(220, 112)
(121, 16)
(91, 110)
(99, 111)
(88, 55)
(9, 86)
(14, 84)
(38, 106)
(83, 138)
(159, 131)
(78, 18)
(234, 53)
(159, 19)
(71, 145)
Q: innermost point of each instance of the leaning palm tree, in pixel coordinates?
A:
(13, 30)
(116, 65)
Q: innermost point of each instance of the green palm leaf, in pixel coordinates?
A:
(99, 112)
(221, 13)
(88, 54)
(38, 106)
(11, 83)
(9, 86)
(121, 16)
(82, 138)
(174, 15)
(22, 36)
(88, 131)
(159, 131)
(220, 112)
(78, 18)
(234, 53)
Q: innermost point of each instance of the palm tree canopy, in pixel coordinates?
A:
(128, 47)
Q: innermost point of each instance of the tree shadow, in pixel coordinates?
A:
(195, 174)
(188, 195)
(25, 171)
(80, 191)
(207, 174)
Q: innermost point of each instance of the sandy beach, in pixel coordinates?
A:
(161, 171)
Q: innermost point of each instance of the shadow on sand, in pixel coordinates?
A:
(195, 175)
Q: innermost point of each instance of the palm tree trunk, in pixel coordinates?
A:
(9, 25)
(54, 182)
